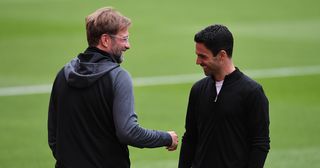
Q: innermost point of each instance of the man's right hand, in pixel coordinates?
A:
(175, 141)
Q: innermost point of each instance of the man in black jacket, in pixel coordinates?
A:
(91, 116)
(227, 121)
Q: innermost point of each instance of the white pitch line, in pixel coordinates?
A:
(25, 90)
(174, 79)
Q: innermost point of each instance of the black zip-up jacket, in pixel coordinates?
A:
(91, 116)
(229, 130)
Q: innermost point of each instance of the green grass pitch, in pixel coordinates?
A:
(38, 37)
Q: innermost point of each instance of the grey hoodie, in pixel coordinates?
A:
(85, 70)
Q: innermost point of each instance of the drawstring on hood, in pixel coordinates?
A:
(88, 67)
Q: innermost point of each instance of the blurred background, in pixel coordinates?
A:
(276, 43)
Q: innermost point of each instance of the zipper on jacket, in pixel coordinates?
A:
(215, 99)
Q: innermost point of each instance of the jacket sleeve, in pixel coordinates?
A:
(52, 120)
(189, 139)
(127, 128)
(259, 128)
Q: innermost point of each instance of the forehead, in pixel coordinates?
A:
(202, 49)
(123, 32)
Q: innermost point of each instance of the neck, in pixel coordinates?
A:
(225, 70)
(102, 48)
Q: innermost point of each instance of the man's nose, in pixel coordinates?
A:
(198, 61)
(127, 45)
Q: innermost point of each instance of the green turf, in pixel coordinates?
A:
(38, 37)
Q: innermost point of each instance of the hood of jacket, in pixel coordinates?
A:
(88, 67)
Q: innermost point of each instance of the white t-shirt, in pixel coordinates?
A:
(219, 86)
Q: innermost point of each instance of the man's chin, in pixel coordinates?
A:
(206, 73)
(119, 58)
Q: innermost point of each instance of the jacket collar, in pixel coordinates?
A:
(100, 53)
(232, 77)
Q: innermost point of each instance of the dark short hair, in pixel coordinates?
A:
(216, 37)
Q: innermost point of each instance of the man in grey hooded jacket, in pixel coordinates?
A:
(91, 117)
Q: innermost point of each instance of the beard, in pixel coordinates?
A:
(117, 55)
(118, 58)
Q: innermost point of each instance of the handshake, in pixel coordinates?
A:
(175, 141)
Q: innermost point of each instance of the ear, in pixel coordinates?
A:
(105, 40)
(223, 55)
